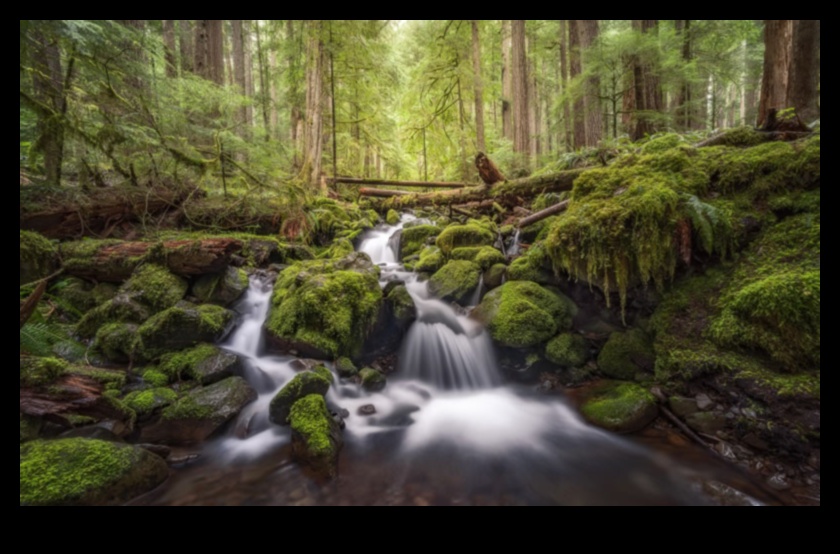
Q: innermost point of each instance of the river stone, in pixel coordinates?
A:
(619, 407)
(301, 386)
(216, 368)
(456, 281)
(182, 327)
(82, 472)
(199, 414)
(707, 423)
(373, 380)
(316, 437)
(222, 289)
(683, 407)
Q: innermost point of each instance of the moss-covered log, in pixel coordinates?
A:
(115, 261)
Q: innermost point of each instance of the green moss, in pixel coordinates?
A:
(346, 368)
(75, 296)
(111, 380)
(663, 143)
(324, 372)
(181, 365)
(103, 292)
(495, 276)
(155, 378)
(567, 350)
(222, 289)
(620, 407)
(145, 403)
(182, 327)
(627, 354)
(393, 217)
(460, 236)
(523, 314)
(742, 137)
(456, 281)
(30, 428)
(40, 372)
(402, 306)
(340, 248)
(414, 239)
(38, 257)
(484, 256)
(121, 309)
(117, 341)
(372, 380)
(86, 472)
(155, 287)
(533, 266)
(431, 261)
(301, 386)
(805, 386)
(311, 421)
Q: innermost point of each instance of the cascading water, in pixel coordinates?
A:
(515, 247)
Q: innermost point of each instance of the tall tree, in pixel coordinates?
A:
(589, 30)
(313, 143)
(210, 50)
(576, 68)
(186, 39)
(521, 132)
(170, 48)
(239, 71)
(778, 44)
(683, 104)
(803, 87)
(507, 80)
(479, 87)
(564, 79)
(49, 86)
(647, 85)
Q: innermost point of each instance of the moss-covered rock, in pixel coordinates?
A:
(316, 437)
(182, 327)
(38, 257)
(155, 287)
(80, 472)
(205, 363)
(223, 289)
(484, 256)
(325, 309)
(123, 308)
(567, 350)
(40, 372)
(301, 386)
(346, 368)
(626, 355)
(402, 306)
(523, 314)
(456, 282)
(200, 413)
(393, 217)
(373, 380)
(620, 407)
(533, 266)
(103, 292)
(111, 380)
(76, 294)
(117, 341)
(495, 276)
(155, 378)
(414, 239)
(430, 262)
(30, 428)
(461, 236)
(148, 402)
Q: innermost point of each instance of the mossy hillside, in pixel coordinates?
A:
(302, 385)
(462, 236)
(316, 439)
(324, 308)
(626, 355)
(485, 256)
(567, 350)
(182, 327)
(620, 407)
(456, 281)
(80, 472)
(522, 314)
(38, 257)
(414, 239)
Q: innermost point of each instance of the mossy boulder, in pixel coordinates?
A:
(38, 257)
(117, 341)
(523, 314)
(626, 355)
(148, 402)
(41, 372)
(567, 350)
(223, 289)
(155, 287)
(393, 217)
(75, 293)
(80, 472)
(325, 310)
(373, 380)
(484, 256)
(619, 407)
(205, 363)
(461, 236)
(155, 378)
(123, 308)
(346, 368)
(301, 386)
(430, 262)
(200, 413)
(402, 306)
(532, 266)
(316, 437)
(182, 327)
(414, 239)
(495, 276)
(456, 281)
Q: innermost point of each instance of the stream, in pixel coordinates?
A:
(448, 430)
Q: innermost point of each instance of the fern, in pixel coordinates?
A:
(45, 340)
(712, 226)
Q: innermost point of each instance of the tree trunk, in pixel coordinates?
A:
(274, 114)
(170, 48)
(533, 103)
(564, 79)
(521, 134)
(250, 89)
(778, 43)
(803, 87)
(314, 127)
(202, 48)
(295, 118)
(239, 74)
(48, 84)
(187, 45)
(576, 66)
(683, 105)
(589, 30)
(507, 80)
(216, 50)
(648, 87)
(479, 88)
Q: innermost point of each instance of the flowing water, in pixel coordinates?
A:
(447, 429)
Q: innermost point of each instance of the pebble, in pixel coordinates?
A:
(704, 402)
(367, 410)
(779, 483)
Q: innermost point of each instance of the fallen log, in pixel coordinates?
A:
(507, 194)
(404, 184)
(115, 261)
(379, 193)
(741, 137)
(539, 216)
(70, 395)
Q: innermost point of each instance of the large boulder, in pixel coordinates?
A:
(460, 236)
(182, 327)
(567, 350)
(619, 407)
(414, 239)
(200, 413)
(316, 437)
(484, 256)
(626, 355)
(456, 282)
(155, 287)
(522, 314)
(222, 289)
(38, 257)
(302, 385)
(81, 472)
(205, 363)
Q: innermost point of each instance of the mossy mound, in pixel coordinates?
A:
(523, 314)
(80, 472)
(117, 341)
(40, 372)
(495, 276)
(148, 402)
(154, 286)
(484, 256)
(431, 261)
(346, 368)
(205, 364)
(533, 266)
(302, 385)
(456, 281)
(38, 257)
(415, 239)
(316, 437)
(393, 217)
(463, 236)
(626, 355)
(223, 289)
(373, 380)
(620, 407)
(325, 309)
(182, 327)
(123, 308)
(567, 350)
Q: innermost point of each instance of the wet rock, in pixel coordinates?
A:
(683, 407)
(402, 307)
(159, 450)
(495, 276)
(704, 403)
(301, 365)
(82, 472)
(222, 289)
(367, 410)
(346, 368)
(627, 354)
(707, 423)
(205, 363)
(756, 442)
(200, 413)
(779, 482)
(316, 437)
(726, 495)
(92, 432)
(303, 385)
(373, 380)
(150, 402)
(456, 281)
(619, 407)
(182, 327)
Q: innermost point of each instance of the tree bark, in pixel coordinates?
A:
(803, 87)
(576, 67)
(564, 79)
(507, 80)
(48, 85)
(274, 115)
(521, 134)
(379, 193)
(114, 262)
(590, 30)
(209, 50)
(187, 45)
(778, 43)
(479, 87)
(648, 87)
(314, 127)
(170, 48)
